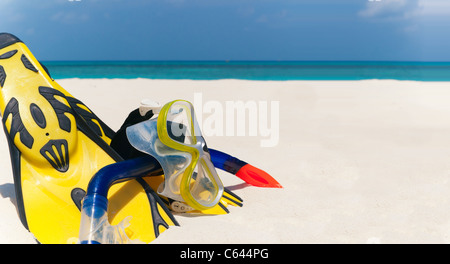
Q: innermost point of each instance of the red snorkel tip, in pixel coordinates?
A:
(257, 177)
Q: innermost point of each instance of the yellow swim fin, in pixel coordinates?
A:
(56, 146)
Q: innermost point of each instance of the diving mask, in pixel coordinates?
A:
(175, 140)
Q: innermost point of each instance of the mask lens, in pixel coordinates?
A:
(204, 185)
(181, 125)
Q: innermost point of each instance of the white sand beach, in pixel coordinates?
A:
(360, 161)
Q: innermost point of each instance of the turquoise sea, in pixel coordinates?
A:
(251, 70)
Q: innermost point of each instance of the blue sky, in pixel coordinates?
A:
(398, 30)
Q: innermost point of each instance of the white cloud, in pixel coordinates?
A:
(433, 8)
(405, 9)
(388, 8)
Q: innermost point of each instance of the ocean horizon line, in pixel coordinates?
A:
(252, 70)
(252, 61)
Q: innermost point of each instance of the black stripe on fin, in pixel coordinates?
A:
(8, 54)
(17, 126)
(154, 200)
(233, 195)
(26, 62)
(2, 76)
(223, 207)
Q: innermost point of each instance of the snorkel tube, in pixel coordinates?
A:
(95, 227)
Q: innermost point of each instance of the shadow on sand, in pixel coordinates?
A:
(7, 191)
